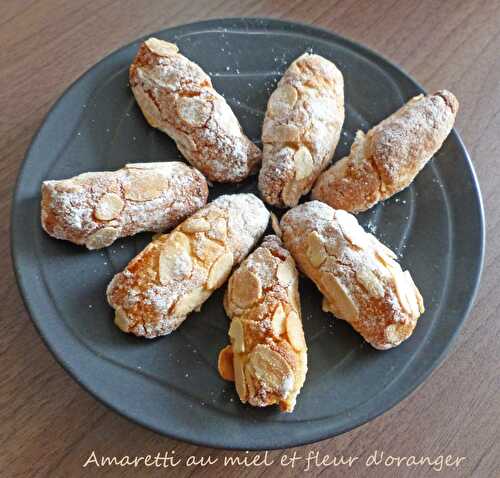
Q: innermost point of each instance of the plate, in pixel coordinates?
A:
(171, 384)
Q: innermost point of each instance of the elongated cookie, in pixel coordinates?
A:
(387, 159)
(177, 272)
(94, 209)
(177, 97)
(301, 129)
(267, 357)
(358, 276)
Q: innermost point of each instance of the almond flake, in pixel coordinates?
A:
(246, 288)
(402, 287)
(239, 377)
(161, 47)
(351, 230)
(338, 297)
(220, 270)
(145, 185)
(286, 272)
(291, 194)
(283, 96)
(102, 238)
(370, 282)
(109, 207)
(295, 332)
(278, 321)
(196, 224)
(280, 133)
(237, 334)
(315, 251)
(225, 363)
(175, 260)
(121, 320)
(194, 110)
(191, 301)
(269, 368)
(303, 163)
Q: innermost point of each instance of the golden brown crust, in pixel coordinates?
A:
(268, 351)
(94, 209)
(177, 97)
(177, 272)
(301, 129)
(359, 277)
(387, 159)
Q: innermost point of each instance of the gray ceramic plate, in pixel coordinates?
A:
(171, 384)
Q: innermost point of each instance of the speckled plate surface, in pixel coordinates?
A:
(171, 384)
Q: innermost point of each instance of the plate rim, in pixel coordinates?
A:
(286, 442)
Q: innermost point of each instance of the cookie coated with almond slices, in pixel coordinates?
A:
(95, 209)
(177, 272)
(358, 276)
(267, 358)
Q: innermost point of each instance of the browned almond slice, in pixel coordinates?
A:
(220, 270)
(402, 287)
(144, 185)
(191, 301)
(370, 282)
(246, 288)
(271, 369)
(281, 133)
(237, 334)
(121, 320)
(207, 250)
(315, 251)
(338, 297)
(161, 47)
(283, 96)
(420, 300)
(225, 363)
(218, 229)
(351, 230)
(303, 163)
(102, 238)
(294, 331)
(175, 261)
(193, 110)
(286, 272)
(109, 206)
(239, 377)
(196, 224)
(291, 193)
(278, 320)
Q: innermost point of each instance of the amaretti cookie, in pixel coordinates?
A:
(358, 276)
(177, 97)
(301, 129)
(177, 272)
(387, 159)
(94, 209)
(267, 357)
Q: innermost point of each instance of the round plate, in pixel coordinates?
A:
(171, 384)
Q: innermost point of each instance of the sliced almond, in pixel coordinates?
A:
(207, 251)
(370, 282)
(196, 224)
(295, 332)
(291, 194)
(218, 229)
(191, 301)
(338, 297)
(239, 377)
(411, 295)
(220, 270)
(225, 363)
(251, 392)
(109, 206)
(281, 133)
(102, 238)
(270, 368)
(303, 163)
(161, 47)
(420, 300)
(145, 185)
(351, 230)
(175, 261)
(286, 272)
(283, 96)
(246, 288)
(237, 334)
(121, 320)
(316, 252)
(402, 286)
(194, 110)
(278, 321)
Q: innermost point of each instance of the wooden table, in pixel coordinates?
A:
(49, 425)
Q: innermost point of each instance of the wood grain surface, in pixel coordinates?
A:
(49, 425)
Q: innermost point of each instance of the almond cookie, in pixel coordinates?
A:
(177, 272)
(387, 159)
(358, 276)
(267, 358)
(94, 209)
(177, 97)
(301, 129)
